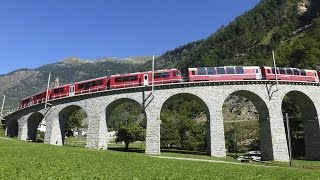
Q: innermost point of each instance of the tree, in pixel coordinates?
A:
(130, 133)
(169, 133)
(296, 126)
(74, 122)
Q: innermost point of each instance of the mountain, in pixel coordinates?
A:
(25, 82)
(289, 27)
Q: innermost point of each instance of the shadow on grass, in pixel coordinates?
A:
(140, 150)
(122, 149)
(74, 145)
(182, 151)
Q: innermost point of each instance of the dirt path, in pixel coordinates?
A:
(212, 161)
(6, 138)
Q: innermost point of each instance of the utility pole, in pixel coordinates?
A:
(45, 105)
(152, 74)
(275, 69)
(289, 139)
(235, 143)
(4, 99)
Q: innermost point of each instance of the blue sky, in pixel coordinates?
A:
(38, 32)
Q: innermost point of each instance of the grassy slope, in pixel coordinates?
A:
(21, 160)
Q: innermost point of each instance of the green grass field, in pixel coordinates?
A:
(23, 160)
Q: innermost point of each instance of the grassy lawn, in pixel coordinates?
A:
(22, 160)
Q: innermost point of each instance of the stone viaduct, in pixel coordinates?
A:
(98, 107)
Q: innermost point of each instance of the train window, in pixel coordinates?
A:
(161, 75)
(303, 72)
(211, 71)
(59, 90)
(201, 71)
(99, 82)
(296, 72)
(268, 71)
(128, 78)
(282, 71)
(174, 73)
(80, 86)
(230, 70)
(157, 75)
(133, 78)
(86, 85)
(193, 72)
(94, 83)
(38, 96)
(123, 79)
(289, 71)
(239, 70)
(273, 72)
(118, 79)
(165, 74)
(220, 70)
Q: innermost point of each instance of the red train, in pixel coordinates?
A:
(231, 73)
(226, 73)
(104, 83)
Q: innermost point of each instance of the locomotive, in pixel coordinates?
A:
(225, 73)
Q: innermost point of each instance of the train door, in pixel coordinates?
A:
(71, 90)
(145, 80)
(317, 76)
(258, 73)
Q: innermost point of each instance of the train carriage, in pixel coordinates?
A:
(224, 73)
(166, 76)
(25, 102)
(289, 74)
(92, 85)
(59, 92)
(39, 98)
(34, 99)
(128, 80)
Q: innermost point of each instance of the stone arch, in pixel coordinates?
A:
(310, 123)
(202, 104)
(33, 122)
(63, 117)
(194, 96)
(264, 122)
(111, 107)
(12, 128)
